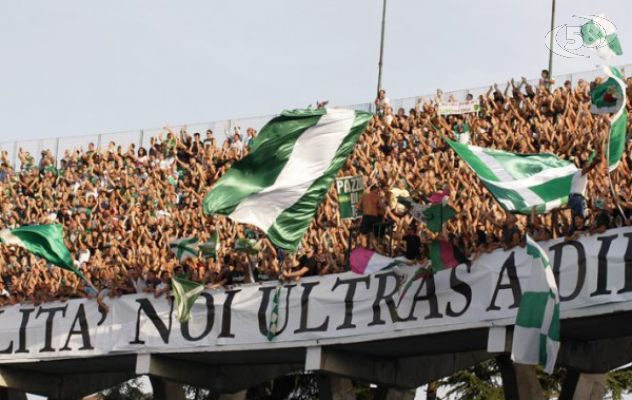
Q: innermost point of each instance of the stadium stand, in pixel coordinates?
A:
(122, 207)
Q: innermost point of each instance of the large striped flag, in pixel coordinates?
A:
(185, 293)
(520, 182)
(293, 161)
(536, 337)
(601, 35)
(609, 97)
(46, 241)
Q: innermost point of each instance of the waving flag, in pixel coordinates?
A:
(609, 97)
(184, 248)
(210, 248)
(46, 241)
(293, 162)
(364, 261)
(520, 182)
(536, 337)
(185, 293)
(601, 35)
(250, 246)
(443, 255)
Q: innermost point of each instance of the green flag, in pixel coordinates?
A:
(536, 337)
(46, 241)
(600, 35)
(249, 246)
(520, 182)
(281, 183)
(274, 314)
(184, 248)
(609, 97)
(210, 248)
(436, 215)
(185, 293)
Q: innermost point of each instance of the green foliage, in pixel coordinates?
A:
(619, 383)
(480, 382)
(129, 390)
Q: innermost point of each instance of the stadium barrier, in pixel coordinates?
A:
(141, 137)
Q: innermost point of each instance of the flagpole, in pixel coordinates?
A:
(614, 195)
(379, 65)
(552, 37)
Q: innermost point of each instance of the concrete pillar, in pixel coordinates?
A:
(332, 387)
(10, 394)
(580, 386)
(394, 394)
(520, 381)
(234, 396)
(166, 390)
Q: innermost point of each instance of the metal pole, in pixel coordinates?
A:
(551, 42)
(379, 65)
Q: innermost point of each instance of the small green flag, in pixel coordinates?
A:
(184, 248)
(249, 246)
(210, 248)
(185, 293)
(274, 315)
(601, 35)
(609, 97)
(436, 215)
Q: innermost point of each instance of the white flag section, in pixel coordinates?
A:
(346, 307)
(536, 338)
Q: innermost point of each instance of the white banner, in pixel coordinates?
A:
(456, 107)
(592, 270)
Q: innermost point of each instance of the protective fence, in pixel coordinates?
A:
(59, 146)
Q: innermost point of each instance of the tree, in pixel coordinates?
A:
(129, 390)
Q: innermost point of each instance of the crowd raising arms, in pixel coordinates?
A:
(121, 208)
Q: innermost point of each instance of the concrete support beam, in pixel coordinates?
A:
(216, 378)
(597, 356)
(394, 394)
(165, 390)
(581, 386)
(403, 373)
(520, 381)
(335, 388)
(234, 396)
(10, 394)
(67, 386)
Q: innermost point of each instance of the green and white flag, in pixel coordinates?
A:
(292, 163)
(274, 314)
(210, 248)
(46, 241)
(520, 182)
(600, 35)
(185, 293)
(609, 97)
(184, 248)
(536, 337)
(250, 246)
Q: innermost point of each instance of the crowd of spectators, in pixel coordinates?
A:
(121, 208)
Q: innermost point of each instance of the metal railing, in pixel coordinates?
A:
(142, 137)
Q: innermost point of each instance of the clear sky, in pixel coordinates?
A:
(72, 67)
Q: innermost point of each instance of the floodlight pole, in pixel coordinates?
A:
(551, 40)
(379, 65)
